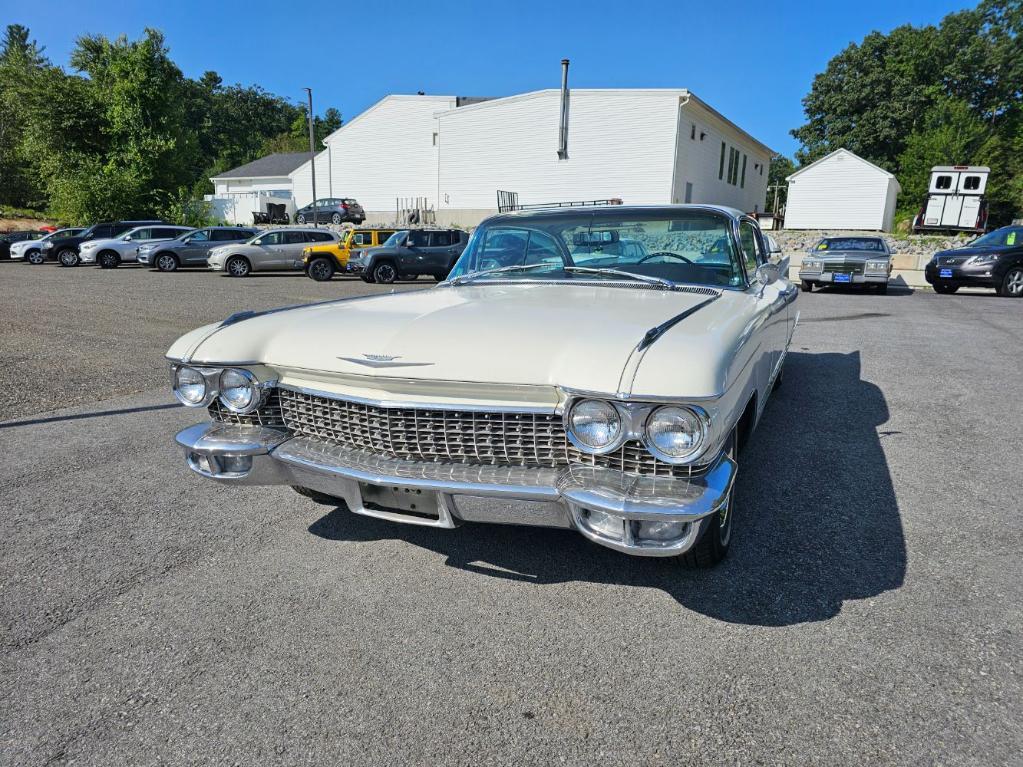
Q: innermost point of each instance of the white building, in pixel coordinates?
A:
(641, 146)
(841, 191)
(388, 151)
(241, 191)
(645, 147)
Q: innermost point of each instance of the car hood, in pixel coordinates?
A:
(849, 255)
(103, 243)
(525, 334)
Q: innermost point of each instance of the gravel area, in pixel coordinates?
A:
(81, 335)
(869, 611)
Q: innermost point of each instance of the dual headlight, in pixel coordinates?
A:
(672, 433)
(238, 389)
(812, 263)
(877, 266)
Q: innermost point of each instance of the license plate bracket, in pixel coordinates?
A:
(405, 501)
(840, 277)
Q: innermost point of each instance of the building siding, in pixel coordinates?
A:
(698, 162)
(841, 192)
(620, 144)
(385, 153)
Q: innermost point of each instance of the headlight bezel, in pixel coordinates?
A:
(262, 380)
(876, 265)
(635, 416)
(702, 420)
(581, 444)
(981, 259)
(203, 376)
(254, 385)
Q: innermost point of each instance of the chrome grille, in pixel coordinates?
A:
(853, 267)
(442, 436)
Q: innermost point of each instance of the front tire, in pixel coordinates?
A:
(237, 266)
(68, 257)
(1012, 285)
(945, 290)
(321, 269)
(716, 535)
(300, 219)
(806, 286)
(385, 273)
(108, 259)
(167, 262)
(35, 257)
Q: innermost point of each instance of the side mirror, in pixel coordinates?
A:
(774, 249)
(768, 273)
(128, 238)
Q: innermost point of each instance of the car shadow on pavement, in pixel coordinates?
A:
(817, 519)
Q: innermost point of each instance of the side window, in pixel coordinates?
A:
(504, 247)
(295, 238)
(319, 237)
(419, 238)
(168, 234)
(440, 239)
(203, 235)
(750, 245)
(142, 234)
(541, 248)
(943, 182)
(363, 238)
(226, 235)
(272, 238)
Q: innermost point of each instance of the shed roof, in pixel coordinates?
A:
(846, 153)
(278, 164)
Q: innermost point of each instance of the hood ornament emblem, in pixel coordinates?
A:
(383, 361)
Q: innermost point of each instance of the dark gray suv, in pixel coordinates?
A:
(191, 248)
(331, 210)
(410, 253)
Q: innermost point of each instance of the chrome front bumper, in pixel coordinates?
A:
(856, 279)
(443, 495)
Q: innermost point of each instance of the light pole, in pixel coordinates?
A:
(312, 157)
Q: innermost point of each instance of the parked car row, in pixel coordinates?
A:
(376, 255)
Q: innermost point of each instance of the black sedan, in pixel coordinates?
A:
(992, 261)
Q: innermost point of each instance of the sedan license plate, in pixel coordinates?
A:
(945, 273)
(839, 277)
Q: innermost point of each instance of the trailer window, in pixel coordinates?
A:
(943, 182)
(971, 182)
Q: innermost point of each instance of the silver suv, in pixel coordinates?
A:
(275, 250)
(191, 248)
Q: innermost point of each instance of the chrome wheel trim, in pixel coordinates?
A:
(300, 220)
(387, 273)
(166, 263)
(68, 257)
(107, 260)
(237, 267)
(1014, 283)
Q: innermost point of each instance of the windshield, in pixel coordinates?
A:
(394, 239)
(1004, 236)
(852, 243)
(689, 246)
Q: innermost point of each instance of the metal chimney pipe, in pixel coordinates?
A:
(563, 129)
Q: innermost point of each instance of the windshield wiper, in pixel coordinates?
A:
(513, 268)
(619, 273)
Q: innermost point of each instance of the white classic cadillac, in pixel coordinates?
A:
(590, 368)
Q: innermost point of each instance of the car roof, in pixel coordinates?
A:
(612, 211)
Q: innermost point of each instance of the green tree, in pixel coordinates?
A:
(20, 59)
(922, 96)
(781, 168)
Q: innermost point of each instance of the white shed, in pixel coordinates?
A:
(841, 191)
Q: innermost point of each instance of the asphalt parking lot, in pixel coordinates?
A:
(869, 610)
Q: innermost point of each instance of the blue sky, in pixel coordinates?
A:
(752, 61)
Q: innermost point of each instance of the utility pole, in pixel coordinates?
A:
(312, 157)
